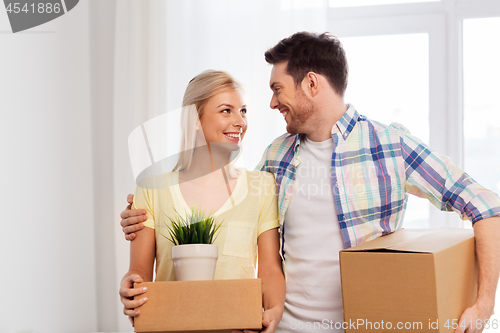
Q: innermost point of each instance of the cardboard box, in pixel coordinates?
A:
(417, 280)
(201, 306)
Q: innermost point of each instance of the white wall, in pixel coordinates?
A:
(101, 48)
(47, 245)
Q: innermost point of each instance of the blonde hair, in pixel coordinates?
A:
(199, 90)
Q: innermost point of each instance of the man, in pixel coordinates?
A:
(343, 179)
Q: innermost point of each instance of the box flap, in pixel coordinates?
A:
(416, 240)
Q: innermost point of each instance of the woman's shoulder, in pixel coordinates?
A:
(262, 176)
(157, 181)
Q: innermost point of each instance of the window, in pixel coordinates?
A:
(481, 104)
(389, 82)
(463, 117)
(389, 79)
(350, 3)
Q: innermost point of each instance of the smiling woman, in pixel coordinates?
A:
(209, 95)
(213, 125)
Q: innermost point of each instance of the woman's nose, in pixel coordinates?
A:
(239, 120)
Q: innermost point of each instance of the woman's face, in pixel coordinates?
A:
(224, 117)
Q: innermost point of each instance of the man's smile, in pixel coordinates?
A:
(284, 112)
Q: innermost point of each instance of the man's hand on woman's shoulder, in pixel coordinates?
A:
(131, 219)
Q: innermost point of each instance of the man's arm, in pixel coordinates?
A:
(451, 189)
(131, 219)
(487, 235)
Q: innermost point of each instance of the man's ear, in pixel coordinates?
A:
(311, 83)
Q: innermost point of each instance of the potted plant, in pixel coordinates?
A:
(194, 254)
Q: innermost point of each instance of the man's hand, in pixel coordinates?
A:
(131, 219)
(473, 319)
(487, 236)
(127, 293)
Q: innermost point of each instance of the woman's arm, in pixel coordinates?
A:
(142, 256)
(273, 281)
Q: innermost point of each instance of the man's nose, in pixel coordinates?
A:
(274, 102)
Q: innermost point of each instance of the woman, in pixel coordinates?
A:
(214, 123)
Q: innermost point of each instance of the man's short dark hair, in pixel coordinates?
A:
(309, 52)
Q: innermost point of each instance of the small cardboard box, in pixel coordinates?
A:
(417, 280)
(201, 306)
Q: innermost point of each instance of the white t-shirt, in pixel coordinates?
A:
(312, 243)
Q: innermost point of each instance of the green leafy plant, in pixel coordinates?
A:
(197, 228)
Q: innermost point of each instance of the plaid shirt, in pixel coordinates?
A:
(374, 167)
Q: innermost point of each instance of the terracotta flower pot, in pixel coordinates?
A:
(195, 261)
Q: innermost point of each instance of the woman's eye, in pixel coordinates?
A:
(243, 111)
(226, 111)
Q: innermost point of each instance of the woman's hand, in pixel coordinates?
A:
(270, 320)
(142, 256)
(127, 293)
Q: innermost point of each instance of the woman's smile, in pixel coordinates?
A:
(233, 136)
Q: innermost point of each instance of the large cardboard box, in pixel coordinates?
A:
(417, 280)
(201, 306)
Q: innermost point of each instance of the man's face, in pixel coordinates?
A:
(290, 100)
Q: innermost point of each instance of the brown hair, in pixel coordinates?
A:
(309, 52)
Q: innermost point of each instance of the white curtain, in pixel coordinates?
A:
(159, 45)
(139, 94)
(127, 52)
